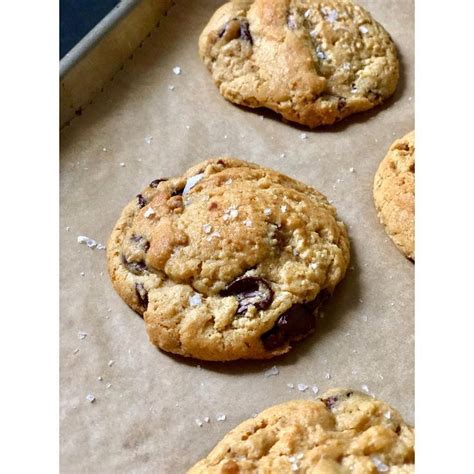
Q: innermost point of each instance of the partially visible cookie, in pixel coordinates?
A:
(394, 194)
(342, 432)
(228, 261)
(312, 61)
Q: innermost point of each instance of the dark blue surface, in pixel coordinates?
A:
(78, 17)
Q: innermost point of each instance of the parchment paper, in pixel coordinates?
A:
(145, 420)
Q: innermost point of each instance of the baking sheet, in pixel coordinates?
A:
(144, 415)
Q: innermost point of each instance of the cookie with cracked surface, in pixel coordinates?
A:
(341, 432)
(229, 261)
(312, 61)
(394, 194)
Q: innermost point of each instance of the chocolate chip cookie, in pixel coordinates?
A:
(394, 194)
(342, 432)
(229, 261)
(312, 61)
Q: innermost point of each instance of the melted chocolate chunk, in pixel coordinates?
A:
(341, 103)
(235, 28)
(136, 268)
(373, 96)
(177, 191)
(156, 182)
(250, 291)
(141, 201)
(330, 402)
(245, 32)
(140, 242)
(142, 295)
(294, 324)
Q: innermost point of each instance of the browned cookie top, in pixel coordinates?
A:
(343, 432)
(229, 261)
(312, 61)
(394, 193)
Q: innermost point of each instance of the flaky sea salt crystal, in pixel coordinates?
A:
(233, 213)
(283, 208)
(320, 53)
(171, 87)
(91, 243)
(221, 417)
(364, 388)
(90, 398)
(388, 415)
(207, 419)
(313, 265)
(148, 139)
(291, 22)
(290, 385)
(177, 70)
(191, 182)
(327, 376)
(272, 372)
(304, 136)
(248, 223)
(111, 363)
(363, 30)
(122, 164)
(282, 155)
(307, 13)
(331, 15)
(315, 389)
(207, 228)
(379, 464)
(302, 387)
(149, 212)
(351, 169)
(198, 422)
(195, 300)
(81, 335)
(267, 211)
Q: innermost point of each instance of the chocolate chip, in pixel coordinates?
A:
(373, 96)
(398, 429)
(341, 103)
(235, 28)
(140, 242)
(294, 324)
(177, 191)
(136, 268)
(142, 295)
(250, 291)
(330, 402)
(245, 32)
(141, 201)
(156, 182)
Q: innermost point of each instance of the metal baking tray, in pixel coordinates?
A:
(103, 51)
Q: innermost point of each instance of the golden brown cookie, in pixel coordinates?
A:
(228, 261)
(342, 432)
(312, 61)
(394, 193)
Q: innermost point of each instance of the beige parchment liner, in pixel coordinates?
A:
(144, 415)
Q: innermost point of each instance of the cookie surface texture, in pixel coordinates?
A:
(342, 432)
(394, 194)
(229, 261)
(313, 62)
